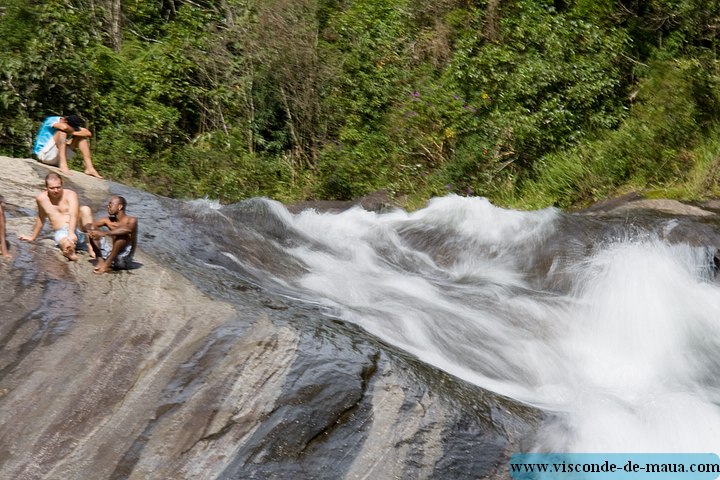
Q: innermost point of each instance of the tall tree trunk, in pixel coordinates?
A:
(492, 21)
(114, 21)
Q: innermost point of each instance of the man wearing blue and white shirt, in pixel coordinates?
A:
(59, 138)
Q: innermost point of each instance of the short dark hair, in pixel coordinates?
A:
(122, 201)
(75, 122)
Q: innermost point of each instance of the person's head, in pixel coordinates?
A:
(75, 122)
(54, 184)
(116, 204)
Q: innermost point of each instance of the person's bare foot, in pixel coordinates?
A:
(68, 252)
(100, 269)
(93, 173)
(65, 171)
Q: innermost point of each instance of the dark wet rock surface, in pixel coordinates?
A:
(193, 365)
(200, 364)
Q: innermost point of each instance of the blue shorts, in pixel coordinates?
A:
(63, 232)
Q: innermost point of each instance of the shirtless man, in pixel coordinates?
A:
(66, 217)
(122, 228)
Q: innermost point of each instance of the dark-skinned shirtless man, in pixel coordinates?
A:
(122, 228)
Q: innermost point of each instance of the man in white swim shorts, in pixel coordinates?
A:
(59, 138)
(66, 216)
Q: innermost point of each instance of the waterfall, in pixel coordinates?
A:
(606, 324)
(252, 342)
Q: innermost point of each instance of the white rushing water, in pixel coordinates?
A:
(626, 358)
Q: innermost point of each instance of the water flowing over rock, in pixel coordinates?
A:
(194, 365)
(253, 341)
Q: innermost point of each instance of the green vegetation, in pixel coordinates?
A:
(527, 102)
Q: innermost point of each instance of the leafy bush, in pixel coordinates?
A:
(527, 102)
(651, 148)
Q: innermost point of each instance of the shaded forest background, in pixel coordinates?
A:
(527, 102)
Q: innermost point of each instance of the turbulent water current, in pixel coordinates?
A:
(608, 323)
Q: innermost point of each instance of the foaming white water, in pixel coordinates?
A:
(626, 358)
(638, 367)
(451, 303)
(205, 203)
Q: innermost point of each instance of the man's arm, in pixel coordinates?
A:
(74, 211)
(39, 222)
(64, 127)
(103, 222)
(82, 133)
(114, 230)
(127, 228)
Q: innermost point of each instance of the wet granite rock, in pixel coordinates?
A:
(159, 373)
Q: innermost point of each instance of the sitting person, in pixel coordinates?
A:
(122, 228)
(3, 244)
(59, 138)
(66, 216)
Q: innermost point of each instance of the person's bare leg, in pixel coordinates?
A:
(83, 145)
(96, 250)
(60, 139)
(104, 266)
(86, 217)
(3, 245)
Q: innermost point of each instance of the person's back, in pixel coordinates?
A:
(45, 134)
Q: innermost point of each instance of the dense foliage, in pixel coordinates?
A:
(527, 102)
